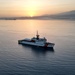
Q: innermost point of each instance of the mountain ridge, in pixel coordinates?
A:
(64, 15)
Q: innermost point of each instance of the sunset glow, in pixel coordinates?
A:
(34, 7)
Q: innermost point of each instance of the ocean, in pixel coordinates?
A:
(16, 59)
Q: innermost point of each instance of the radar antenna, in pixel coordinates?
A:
(37, 36)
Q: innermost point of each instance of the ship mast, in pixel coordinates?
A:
(37, 36)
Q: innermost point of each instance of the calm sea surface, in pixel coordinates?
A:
(16, 59)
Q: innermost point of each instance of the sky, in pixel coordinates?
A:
(34, 7)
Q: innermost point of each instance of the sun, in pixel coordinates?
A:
(32, 6)
(31, 15)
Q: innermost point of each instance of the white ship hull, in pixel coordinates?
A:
(50, 45)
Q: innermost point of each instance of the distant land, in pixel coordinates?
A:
(70, 15)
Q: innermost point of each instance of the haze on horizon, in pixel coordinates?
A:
(34, 7)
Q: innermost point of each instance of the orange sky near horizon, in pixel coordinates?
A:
(34, 7)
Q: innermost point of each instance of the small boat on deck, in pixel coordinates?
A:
(36, 41)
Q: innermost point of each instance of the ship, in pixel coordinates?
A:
(37, 42)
